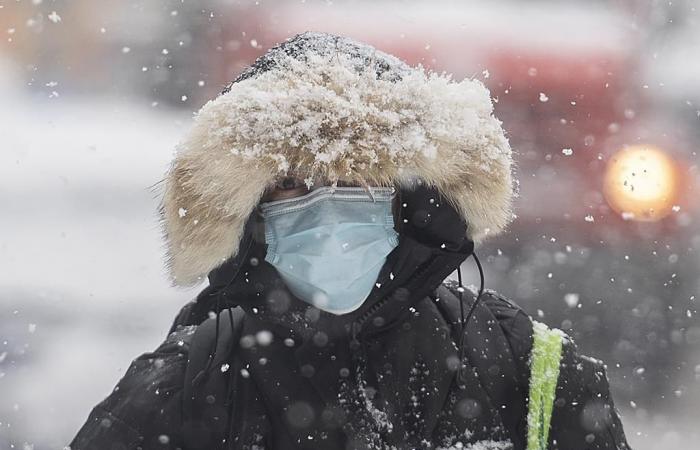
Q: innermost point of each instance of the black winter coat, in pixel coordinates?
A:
(271, 372)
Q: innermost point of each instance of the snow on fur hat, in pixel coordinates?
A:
(326, 108)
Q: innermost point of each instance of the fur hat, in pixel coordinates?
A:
(326, 108)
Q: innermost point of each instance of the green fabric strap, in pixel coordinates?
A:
(544, 373)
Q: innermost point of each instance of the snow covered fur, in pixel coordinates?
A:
(326, 108)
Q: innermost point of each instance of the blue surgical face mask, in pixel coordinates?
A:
(329, 245)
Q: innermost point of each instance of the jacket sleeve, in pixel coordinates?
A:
(144, 409)
(584, 415)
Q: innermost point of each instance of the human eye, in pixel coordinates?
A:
(287, 187)
(289, 183)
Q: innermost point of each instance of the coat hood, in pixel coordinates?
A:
(326, 108)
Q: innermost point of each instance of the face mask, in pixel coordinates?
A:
(329, 245)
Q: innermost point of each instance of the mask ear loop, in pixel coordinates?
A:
(465, 320)
(368, 189)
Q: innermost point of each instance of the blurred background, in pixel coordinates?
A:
(600, 99)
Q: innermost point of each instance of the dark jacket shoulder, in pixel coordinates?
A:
(143, 411)
(584, 416)
(494, 309)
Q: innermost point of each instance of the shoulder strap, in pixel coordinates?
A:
(204, 399)
(544, 374)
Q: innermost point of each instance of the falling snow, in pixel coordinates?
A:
(54, 17)
(87, 128)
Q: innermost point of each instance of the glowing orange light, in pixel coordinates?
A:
(641, 183)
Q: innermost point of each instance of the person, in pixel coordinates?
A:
(327, 194)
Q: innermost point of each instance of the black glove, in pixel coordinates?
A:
(426, 216)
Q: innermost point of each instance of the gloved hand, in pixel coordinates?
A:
(430, 219)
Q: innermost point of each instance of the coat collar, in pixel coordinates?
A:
(412, 271)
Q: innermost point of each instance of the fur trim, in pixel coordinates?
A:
(323, 117)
